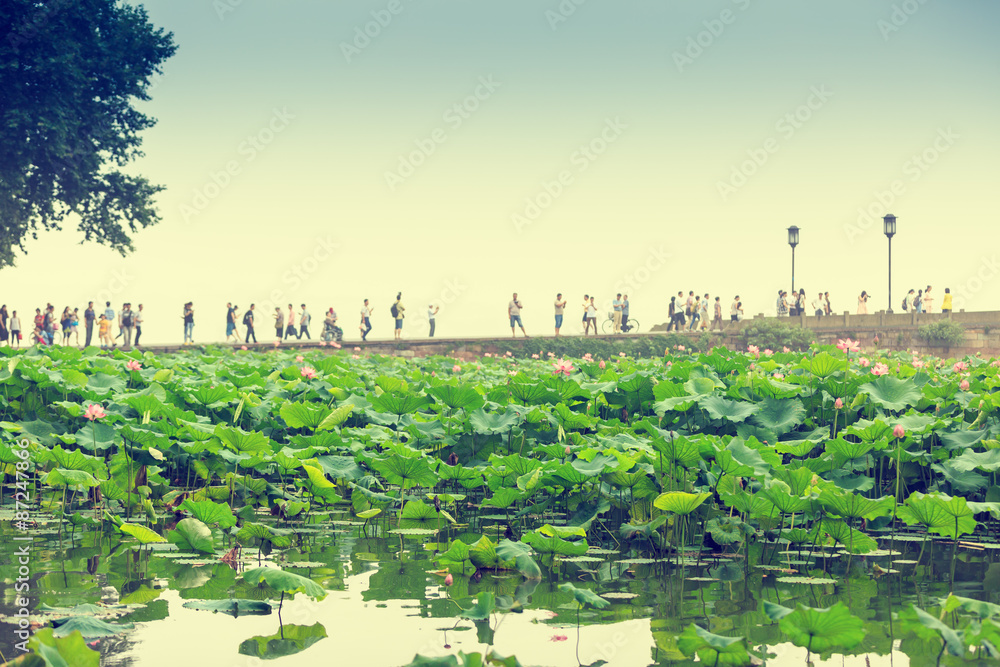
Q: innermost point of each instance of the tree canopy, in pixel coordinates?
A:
(70, 72)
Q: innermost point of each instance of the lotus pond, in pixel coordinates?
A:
(229, 507)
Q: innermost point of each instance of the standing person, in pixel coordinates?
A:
(625, 326)
(64, 321)
(946, 301)
(127, 323)
(137, 322)
(592, 315)
(304, 320)
(616, 308)
(800, 303)
(248, 323)
(432, 310)
(514, 315)
(74, 325)
(560, 306)
(672, 313)
(230, 322)
(366, 322)
(4, 332)
(908, 299)
(717, 319)
(817, 305)
(397, 313)
(89, 316)
(918, 302)
(863, 303)
(679, 311)
(15, 330)
(104, 332)
(121, 326)
(826, 306)
(586, 302)
(734, 309)
(703, 313)
(49, 323)
(279, 322)
(928, 300)
(290, 322)
(109, 315)
(188, 323)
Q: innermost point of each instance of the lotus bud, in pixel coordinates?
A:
(449, 580)
(899, 431)
(838, 404)
(964, 386)
(566, 451)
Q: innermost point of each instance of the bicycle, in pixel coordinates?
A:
(632, 325)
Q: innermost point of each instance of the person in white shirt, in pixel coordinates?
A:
(616, 307)
(432, 310)
(592, 315)
(15, 330)
(704, 313)
(514, 313)
(304, 319)
(290, 323)
(366, 322)
(734, 310)
(137, 321)
(560, 311)
(818, 305)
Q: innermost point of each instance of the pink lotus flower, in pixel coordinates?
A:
(277, 343)
(602, 365)
(308, 372)
(588, 357)
(785, 349)
(433, 374)
(964, 386)
(960, 366)
(509, 353)
(488, 355)
(838, 404)
(357, 349)
(865, 362)
(848, 345)
(558, 638)
(299, 359)
(355, 356)
(551, 354)
(779, 376)
(322, 343)
(917, 363)
(669, 364)
(512, 373)
(95, 411)
(899, 431)
(534, 356)
(768, 353)
(456, 368)
(243, 347)
(133, 365)
(621, 354)
(880, 369)
(996, 362)
(449, 580)
(754, 350)
(562, 366)
(567, 450)
(681, 348)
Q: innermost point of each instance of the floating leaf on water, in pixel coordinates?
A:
(616, 595)
(905, 538)
(879, 553)
(806, 580)
(904, 562)
(414, 531)
(582, 559)
(699, 579)
(593, 551)
(638, 561)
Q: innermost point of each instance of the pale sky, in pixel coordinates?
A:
(469, 150)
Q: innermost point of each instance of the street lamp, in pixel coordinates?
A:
(793, 240)
(889, 227)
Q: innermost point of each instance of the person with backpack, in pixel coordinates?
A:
(907, 300)
(248, 323)
(366, 321)
(397, 311)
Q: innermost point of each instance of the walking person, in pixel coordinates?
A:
(734, 309)
(126, 324)
(625, 327)
(231, 323)
(109, 315)
(586, 302)
(918, 302)
(121, 327)
(560, 306)
(279, 322)
(15, 330)
(88, 317)
(248, 323)
(592, 316)
(74, 325)
(616, 307)
(908, 300)
(304, 320)
(703, 313)
(800, 302)
(397, 312)
(672, 313)
(188, 318)
(432, 310)
(366, 322)
(928, 300)
(863, 303)
(695, 314)
(826, 298)
(65, 321)
(717, 315)
(514, 315)
(946, 301)
(290, 324)
(137, 323)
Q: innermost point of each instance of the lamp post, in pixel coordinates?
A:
(889, 227)
(793, 240)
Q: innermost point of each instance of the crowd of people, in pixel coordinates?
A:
(46, 326)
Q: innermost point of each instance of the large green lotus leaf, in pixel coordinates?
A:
(584, 596)
(554, 545)
(337, 417)
(340, 467)
(458, 397)
(316, 477)
(562, 531)
(892, 393)
(847, 451)
(212, 394)
(821, 630)
(488, 423)
(65, 477)
(289, 640)
(929, 511)
(870, 431)
(855, 506)
(520, 553)
(88, 626)
(234, 608)
(988, 461)
(927, 626)
(484, 554)
(699, 386)
(392, 384)
(678, 451)
(824, 365)
(75, 377)
(713, 649)
(727, 530)
(242, 441)
(210, 513)
(484, 606)
(192, 535)
(250, 531)
(141, 533)
(960, 481)
(399, 405)
(747, 456)
(417, 510)
(780, 495)
(58, 651)
(406, 472)
(779, 415)
(852, 539)
(304, 415)
(286, 582)
(962, 439)
(679, 502)
(77, 460)
(457, 552)
(734, 411)
(102, 383)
